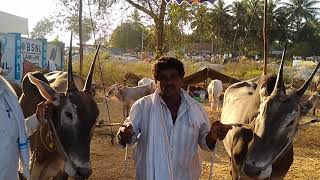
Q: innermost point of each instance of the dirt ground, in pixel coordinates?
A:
(108, 160)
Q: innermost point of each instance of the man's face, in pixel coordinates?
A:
(169, 82)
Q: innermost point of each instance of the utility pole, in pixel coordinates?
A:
(265, 37)
(80, 38)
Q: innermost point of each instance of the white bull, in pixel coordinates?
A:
(215, 89)
(145, 81)
(128, 95)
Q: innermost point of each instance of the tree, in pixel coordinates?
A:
(43, 27)
(73, 25)
(176, 19)
(220, 24)
(156, 10)
(300, 11)
(200, 24)
(67, 17)
(127, 36)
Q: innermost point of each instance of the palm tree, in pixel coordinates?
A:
(220, 22)
(300, 11)
(200, 22)
(277, 21)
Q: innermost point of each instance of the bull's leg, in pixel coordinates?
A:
(239, 152)
(124, 111)
(47, 169)
(127, 110)
(314, 112)
(281, 167)
(216, 102)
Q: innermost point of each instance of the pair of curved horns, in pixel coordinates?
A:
(279, 86)
(71, 85)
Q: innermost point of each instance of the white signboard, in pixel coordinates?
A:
(34, 51)
(11, 62)
(55, 53)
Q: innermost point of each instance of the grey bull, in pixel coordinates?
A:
(263, 150)
(74, 115)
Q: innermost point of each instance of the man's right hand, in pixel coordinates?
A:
(126, 132)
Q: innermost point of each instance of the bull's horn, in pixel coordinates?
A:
(87, 86)
(71, 85)
(305, 86)
(279, 86)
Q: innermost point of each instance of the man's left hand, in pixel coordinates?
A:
(44, 111)
(218, 131)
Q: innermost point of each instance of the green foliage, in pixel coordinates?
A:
(56, 41)
(127, 35)
(43, 27)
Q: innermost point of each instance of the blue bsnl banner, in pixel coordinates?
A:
(11, 56)
(191, 1)
(34, 51)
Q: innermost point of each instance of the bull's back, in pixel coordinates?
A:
(237, 108)
(58, 81)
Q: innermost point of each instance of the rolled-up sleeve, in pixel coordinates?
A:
(32, 124)
(203, 132)
(135, 117)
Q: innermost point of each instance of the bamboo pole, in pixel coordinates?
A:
(265, 37)
(80, 38)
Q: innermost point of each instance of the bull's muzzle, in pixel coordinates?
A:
(84, 172)
(251, 170)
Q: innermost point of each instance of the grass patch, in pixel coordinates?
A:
(114, 71)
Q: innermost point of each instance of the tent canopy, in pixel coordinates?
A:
(204, 74)
(11, 23)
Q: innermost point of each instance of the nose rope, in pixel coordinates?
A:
(211, 163)
(125, 167)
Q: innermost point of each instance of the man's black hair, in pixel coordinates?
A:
(165, 63)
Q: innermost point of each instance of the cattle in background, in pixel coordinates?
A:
(265, 150)
(145, 81)
(66, 152)
(215, 89)
(128, 95)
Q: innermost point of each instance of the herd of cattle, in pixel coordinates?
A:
(62, 147)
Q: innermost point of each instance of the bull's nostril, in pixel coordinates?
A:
(251, 170)
(84, 172)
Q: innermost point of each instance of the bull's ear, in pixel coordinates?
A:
(309, 104)
(45, 90)
(263, 91)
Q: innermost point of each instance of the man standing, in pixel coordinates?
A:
(168, 126)
(14, 130)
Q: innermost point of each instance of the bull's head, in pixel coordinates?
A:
(114, 90)
(74, 115)
(276, 124)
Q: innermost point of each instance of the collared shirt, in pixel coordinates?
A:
(9, 152)
(184, 139)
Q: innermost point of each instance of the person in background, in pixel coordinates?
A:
(168, 127)
(15, 129)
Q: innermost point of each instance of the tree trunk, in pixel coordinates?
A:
(160, 38)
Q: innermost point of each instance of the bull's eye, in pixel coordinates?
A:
(290, 124)
(68, 114)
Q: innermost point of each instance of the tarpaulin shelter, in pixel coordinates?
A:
(204, 74)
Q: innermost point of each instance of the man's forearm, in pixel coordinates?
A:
(32, 124)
